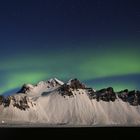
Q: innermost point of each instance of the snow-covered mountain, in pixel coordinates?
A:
(72, 103)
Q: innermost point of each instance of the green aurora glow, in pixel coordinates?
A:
(85, 64)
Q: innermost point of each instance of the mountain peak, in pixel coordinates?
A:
(75, 83)
(25, 88)
(55, 80)
(72, 102)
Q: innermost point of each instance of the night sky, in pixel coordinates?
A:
(96, 41)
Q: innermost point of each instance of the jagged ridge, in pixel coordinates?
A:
(66, 89)
(73, 102)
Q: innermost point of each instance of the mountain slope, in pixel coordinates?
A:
(71, 103)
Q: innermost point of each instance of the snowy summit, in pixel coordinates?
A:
(72, 103)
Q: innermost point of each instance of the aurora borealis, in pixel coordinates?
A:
(96, 42)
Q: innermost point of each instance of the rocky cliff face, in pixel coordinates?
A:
(20, 99)
(53, 101)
